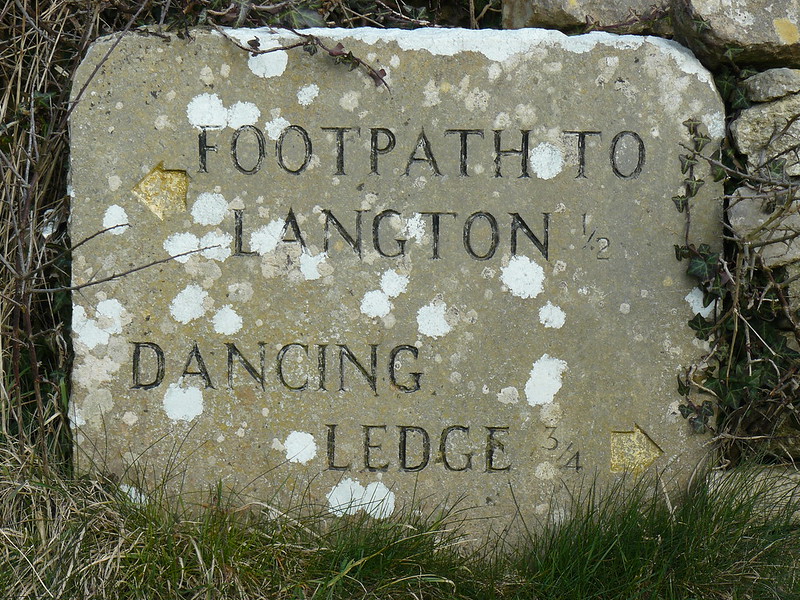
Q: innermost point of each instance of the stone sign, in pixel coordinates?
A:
(448, 278)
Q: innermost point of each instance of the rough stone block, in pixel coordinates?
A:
(768, 132)
(458, 286)
(768, 221)
(762, 33)
(772, 84)
(560, 14)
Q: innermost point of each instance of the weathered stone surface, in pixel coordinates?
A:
(463, 285)
(770, 131)
(562, 14)
(772, 84)
(762, 32)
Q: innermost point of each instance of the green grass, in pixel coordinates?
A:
(86, 539)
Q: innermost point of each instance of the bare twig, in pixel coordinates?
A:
(338, 52)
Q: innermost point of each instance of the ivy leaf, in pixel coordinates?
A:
(703, 266)
(701, 327)
(732, 52)
(693, 186)
(681, 202)
(683, 390)
(338, 50)
(692, 125)
(707, 409)
(687, 162)
(739, 100)
(777, 167)
(700, 142)
(685, 410)
(698, 424)
(726, 85)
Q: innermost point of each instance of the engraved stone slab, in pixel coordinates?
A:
(454, 287)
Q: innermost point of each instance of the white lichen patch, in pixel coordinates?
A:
(132, 494)
(76, 417)
(226, 321)
(162, 122)
(183, 404)
(275, 127)
(508, 395)
(240, 291)
(523, 277)
(207, 110)
(546, 160)
(345, 497)
(243, 113)
(271, 64)
(97, 404)
(110, 314)
(209, 209)
(551, 414)
(114, 182)
(552, 316)
(695, 300)
(348, 497)
(265, 239)
(207, 75)
(393, 284)
(376, 303)
(477, 99)
(307, 94)
(414, 228)
(130, 419)
(216, 245)
(310, 264)
(431, 94)
(178, 245)
(715, 124)
(95, 332)
(117, 218)
(545, 471)
(378, 500)
(300, 447)
(431, 319)
(93, 371)
(349, 101)
(188, 305)
(545, 380)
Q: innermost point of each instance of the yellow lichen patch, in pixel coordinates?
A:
(787, 31)
(163, 191)
(632, 451)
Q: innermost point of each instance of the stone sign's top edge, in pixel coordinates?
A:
(495, 45)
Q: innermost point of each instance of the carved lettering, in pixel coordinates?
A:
(235, 149)
(307, 149)
(369, 447)
(403, 448)
(158, 377)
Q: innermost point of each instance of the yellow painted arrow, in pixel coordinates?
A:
(163, 191)
(632, 451)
